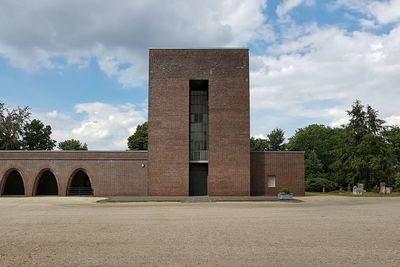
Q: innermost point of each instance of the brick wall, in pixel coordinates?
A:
(229, 147)
(229, 160)
(111, 173)
(168, 126)
(231, 169)
(288, 167)
(121, 173)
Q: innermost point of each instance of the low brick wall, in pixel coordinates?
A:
(110, 173)
(286, 166)
(125, 173)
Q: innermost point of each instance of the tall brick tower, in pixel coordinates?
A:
(199, 122)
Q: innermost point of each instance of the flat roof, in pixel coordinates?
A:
(200, 48)
(281, 152)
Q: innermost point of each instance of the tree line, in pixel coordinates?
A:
(365, 150)
(19, 132)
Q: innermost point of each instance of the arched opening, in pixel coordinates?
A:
(80, 185)
(13, 184)
(46, 184)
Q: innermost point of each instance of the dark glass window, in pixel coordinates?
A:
(198, 120)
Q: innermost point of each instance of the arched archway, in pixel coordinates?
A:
(13, 184)
(46, 184)
(80, 184)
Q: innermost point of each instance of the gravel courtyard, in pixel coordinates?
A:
(319, 231)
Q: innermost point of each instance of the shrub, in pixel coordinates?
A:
(317, 185)
(285, 191)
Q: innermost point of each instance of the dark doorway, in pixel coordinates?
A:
(80, 185)
(198, 173)
(13, 184)
(47, 184)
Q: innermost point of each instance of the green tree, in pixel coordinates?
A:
(72, 144)
(317, 178)
(393, 138)
(318, 142)
(397, 181)
(276, 140)
(258, 144)
(364, 156)
(313, 166)
(139, 140)
(318, 138)
(36, 136)
(12, 123)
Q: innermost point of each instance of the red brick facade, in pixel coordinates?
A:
(168, 127)
(111, 173)
(164, 170)
(286, 166)
(125, 173)
(227, 71)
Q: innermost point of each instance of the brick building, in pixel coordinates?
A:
(198, 141)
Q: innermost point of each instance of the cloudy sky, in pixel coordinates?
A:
(81, 65)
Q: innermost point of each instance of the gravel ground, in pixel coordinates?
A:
(320, 231)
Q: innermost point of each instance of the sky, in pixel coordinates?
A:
(81, 65)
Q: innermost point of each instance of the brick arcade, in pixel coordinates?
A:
(199, 131)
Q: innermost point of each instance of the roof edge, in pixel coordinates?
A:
(73, 151)
(199, 48)
(280, 152)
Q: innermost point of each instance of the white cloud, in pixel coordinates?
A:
(337, 115)
(313, 72)
(393, 120)
(368, 24)
(103, 127)
(320, 74)
(127, 75)
(52, 114)
(357, 5)
(384, 12)
(260, 136)
(119, 32)
(287, 5)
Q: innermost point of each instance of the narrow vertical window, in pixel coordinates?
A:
(198, 136)
(198, 120)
